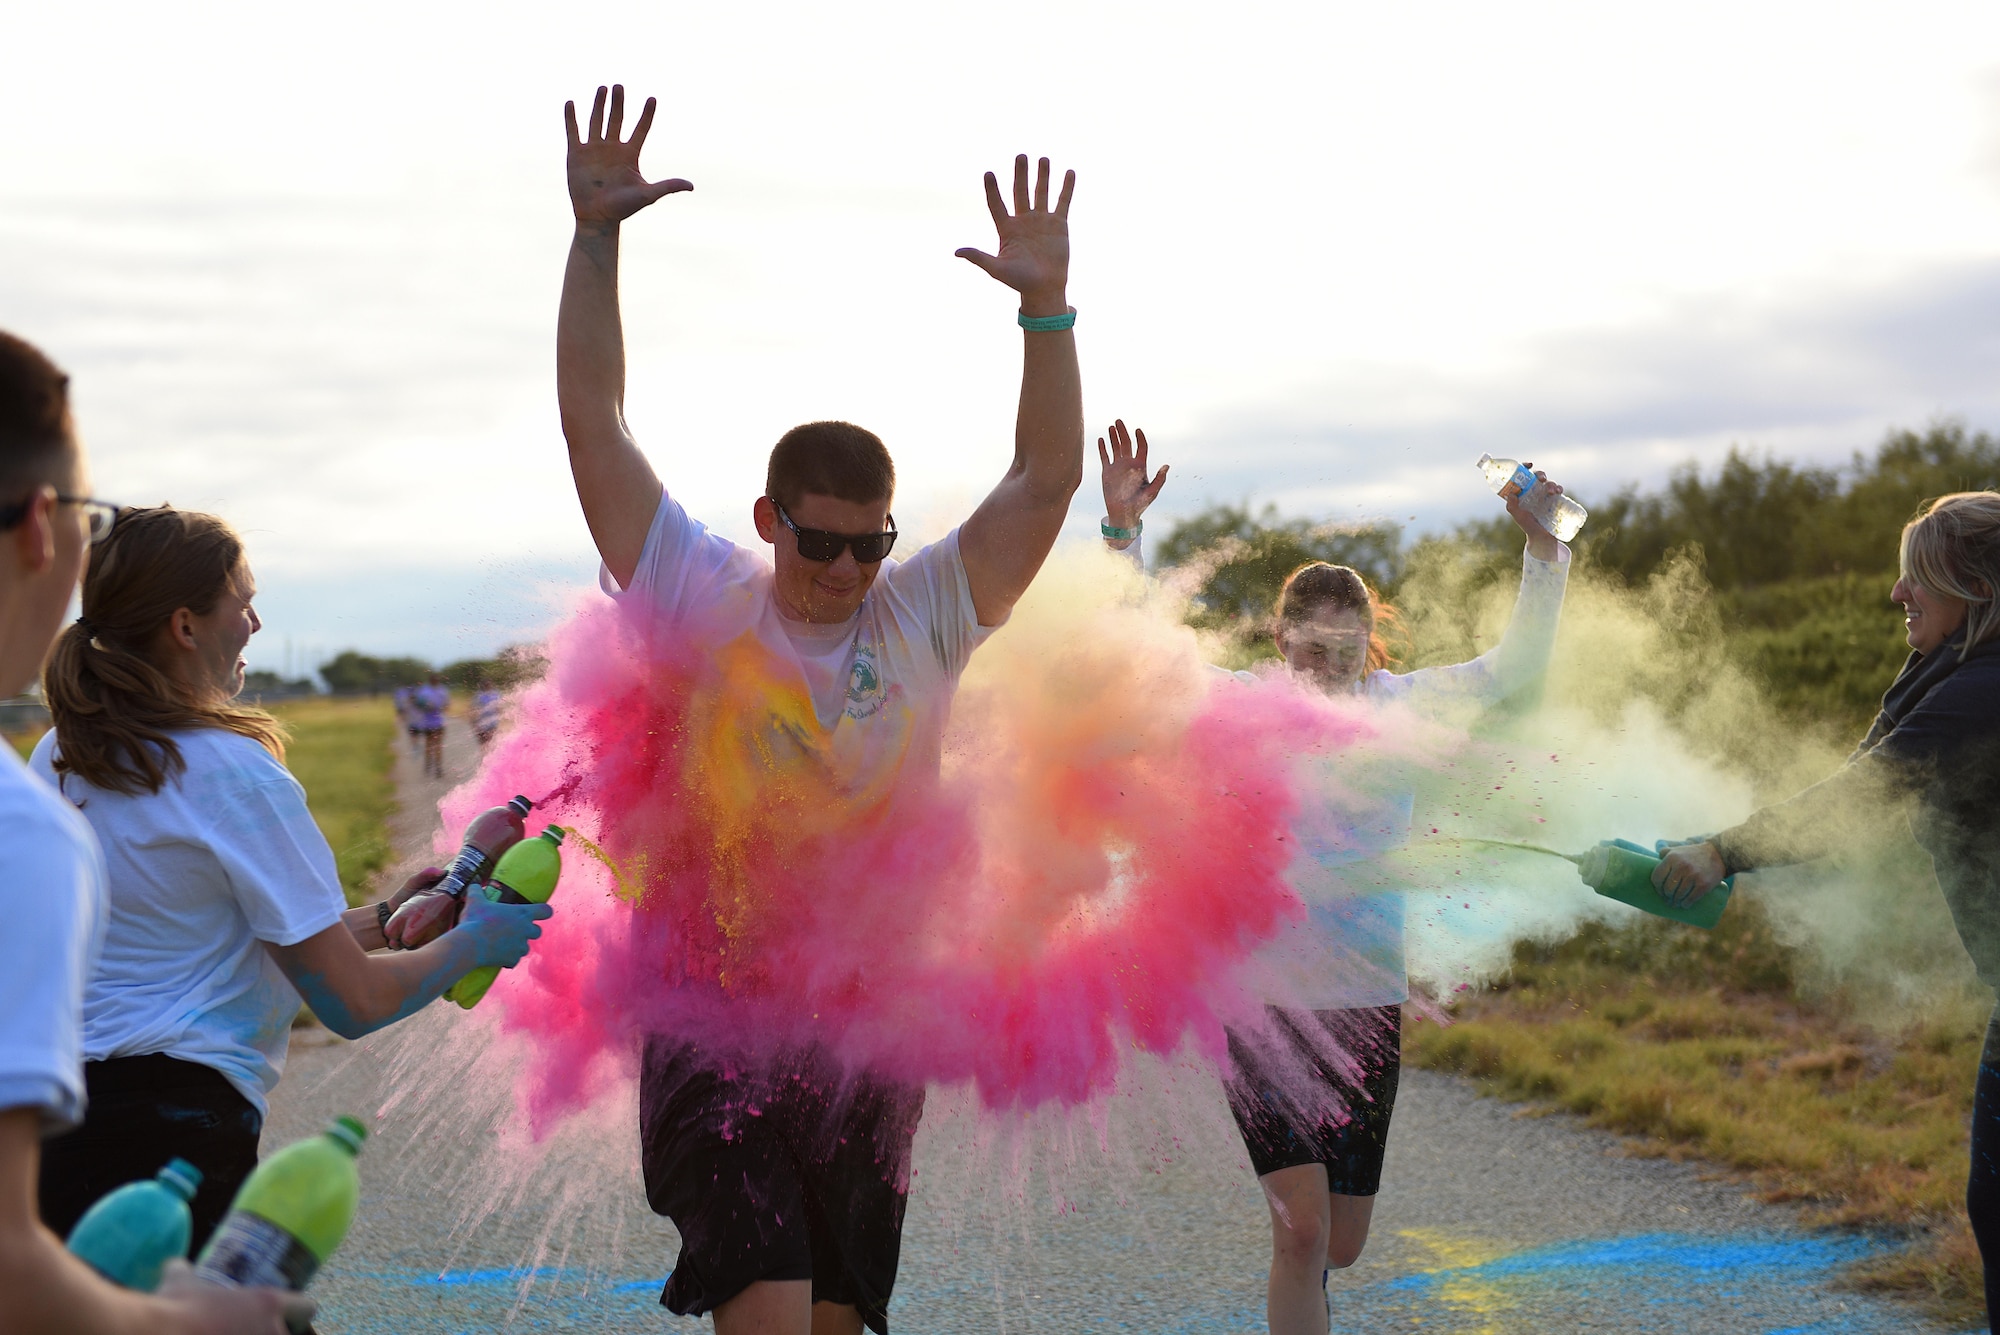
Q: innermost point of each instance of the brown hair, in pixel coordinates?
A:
(35, 432)
(113, 706)
(1317, 587)
(1952, 547)
(837, 459)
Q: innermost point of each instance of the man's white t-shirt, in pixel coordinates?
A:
(224, 858)
(52, 878)
(880, 682)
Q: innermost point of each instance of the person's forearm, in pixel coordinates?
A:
(50, 1292)
(391, 987)
(615, 483)
(1048, 429)
(590, 336)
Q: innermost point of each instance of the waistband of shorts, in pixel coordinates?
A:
(153, 1071)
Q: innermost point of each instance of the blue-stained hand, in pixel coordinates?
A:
(501, 932)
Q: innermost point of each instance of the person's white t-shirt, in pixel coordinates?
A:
(224, 858)
(880, 683)
(52, 880)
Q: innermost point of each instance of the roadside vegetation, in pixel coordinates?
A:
(1729, 1046)
(341, 752)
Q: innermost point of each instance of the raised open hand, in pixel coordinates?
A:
(605, 183)
(1127, 493)
(1034, 240)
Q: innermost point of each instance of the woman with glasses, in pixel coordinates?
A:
(1313, 1087)
(224, 908)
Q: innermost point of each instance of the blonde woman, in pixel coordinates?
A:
(224, 907)
(1937, 739)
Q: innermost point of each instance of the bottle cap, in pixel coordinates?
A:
(554, 834)
(182, 1177)
(347, 1132)
(521, 805)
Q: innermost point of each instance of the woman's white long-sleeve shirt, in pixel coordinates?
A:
(1348, 952)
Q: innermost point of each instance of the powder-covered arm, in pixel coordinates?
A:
(1517, 661)
(1919, 756)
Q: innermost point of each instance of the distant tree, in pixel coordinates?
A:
(263, 684)
(1758, 522)
(513, 666)
(353, 673)
(1243, 558)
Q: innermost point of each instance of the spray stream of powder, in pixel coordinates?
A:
(1104, 851)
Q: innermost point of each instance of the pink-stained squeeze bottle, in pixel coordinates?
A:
(430, 913)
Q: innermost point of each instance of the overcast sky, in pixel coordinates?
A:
(304, 262)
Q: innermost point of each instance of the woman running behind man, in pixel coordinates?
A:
(1936, 739)
(1313, 1089)
(224, 908)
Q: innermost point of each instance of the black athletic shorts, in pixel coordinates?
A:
(144, 1111)
(794, 1171)
(1318, 1087)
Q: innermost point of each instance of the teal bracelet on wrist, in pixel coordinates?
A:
(1117, 534)
(1047, 324)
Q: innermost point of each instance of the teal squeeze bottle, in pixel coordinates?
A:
(131, 1233)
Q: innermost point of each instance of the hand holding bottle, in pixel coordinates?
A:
(216, 1309)
(498, 934)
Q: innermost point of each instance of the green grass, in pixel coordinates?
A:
(1711, 1045)
(341, 751)
(1823, 649)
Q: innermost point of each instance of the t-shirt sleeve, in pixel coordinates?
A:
(54, 881)
(280, 868)
(680, 561)
(934, 584)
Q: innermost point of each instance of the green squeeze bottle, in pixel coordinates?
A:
(1621, 870)
(131, 1233)
(290, 1214)
(527, 874)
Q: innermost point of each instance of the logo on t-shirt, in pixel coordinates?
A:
(865, 696)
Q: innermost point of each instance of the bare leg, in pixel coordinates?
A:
(769, 1307)
(1301, 1233)
(1349, 1217)
(836, 1319)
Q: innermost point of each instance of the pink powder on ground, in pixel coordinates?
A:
(1101, 857)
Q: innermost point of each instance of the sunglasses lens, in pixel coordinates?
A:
(819, 545)
(873, 547)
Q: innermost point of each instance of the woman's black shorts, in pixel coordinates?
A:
(794, 1171)
(1318, 1087)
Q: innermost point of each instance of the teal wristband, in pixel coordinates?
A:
(1117, 534)
(1047, 324)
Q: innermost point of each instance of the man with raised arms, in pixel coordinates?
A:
(791, 1220)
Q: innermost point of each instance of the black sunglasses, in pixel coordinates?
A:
(816, 544)
(101, 514)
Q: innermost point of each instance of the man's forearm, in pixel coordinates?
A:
(590, 336)
(1048, 429)
(615, 483)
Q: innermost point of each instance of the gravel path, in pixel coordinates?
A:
(1143, 1218)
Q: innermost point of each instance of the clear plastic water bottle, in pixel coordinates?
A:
(1509, 478)
(131, 1233)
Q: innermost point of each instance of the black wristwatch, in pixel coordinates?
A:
(382, 916)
